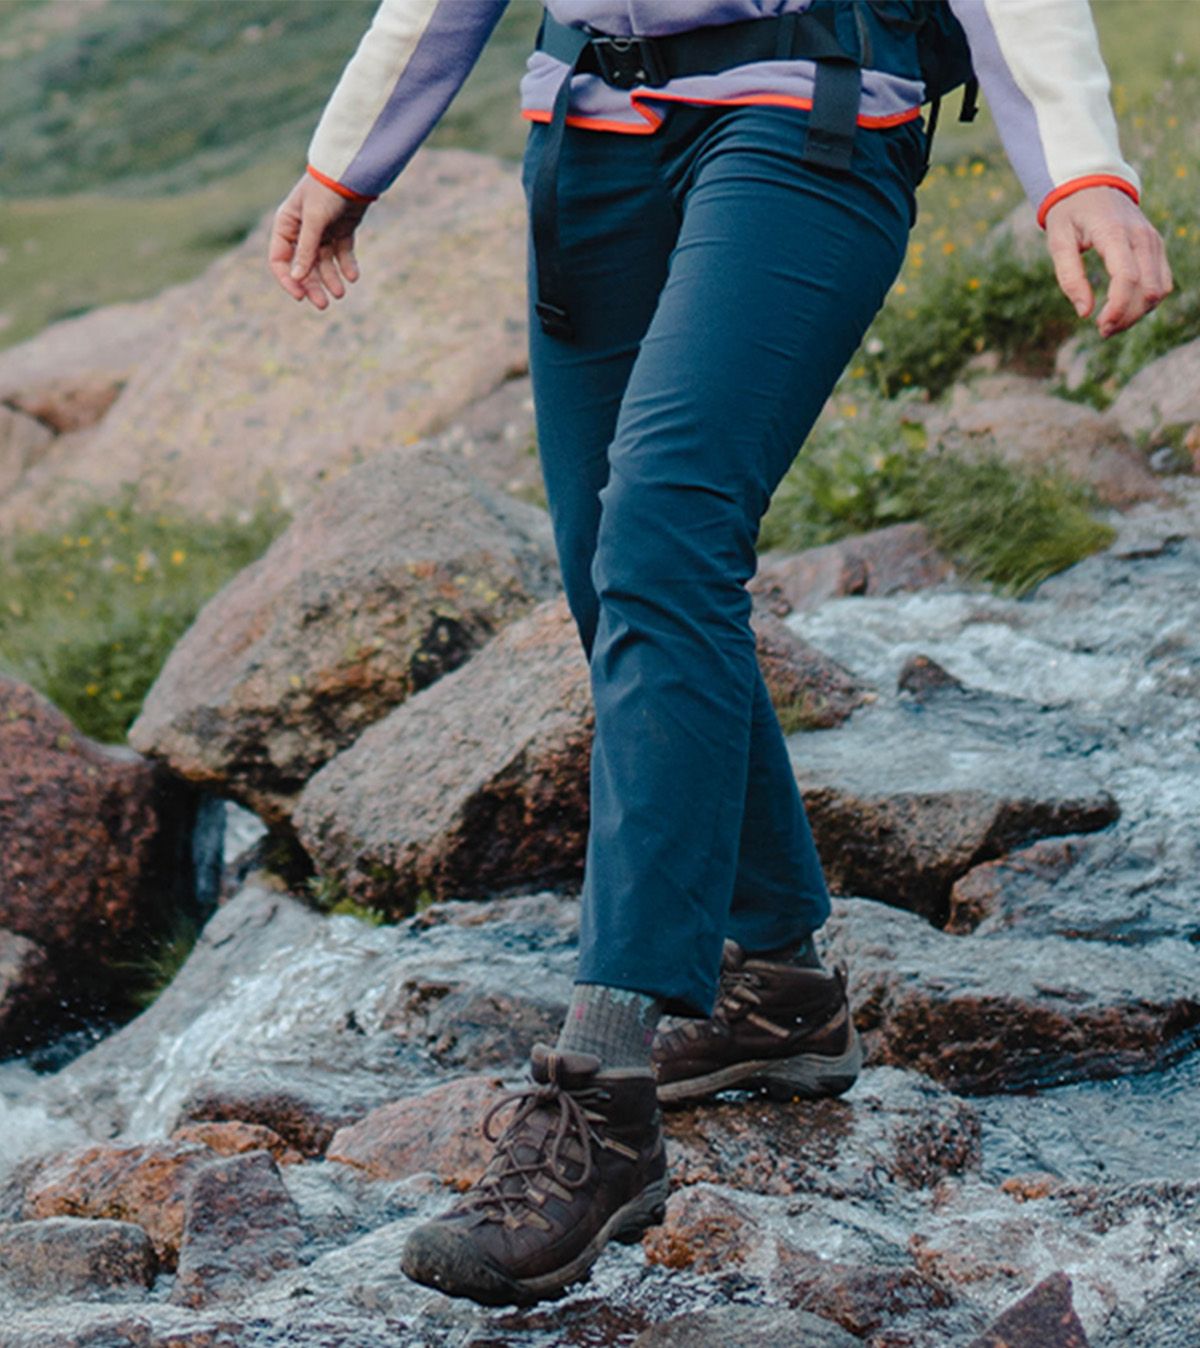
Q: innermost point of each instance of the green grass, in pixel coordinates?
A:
(146, 975)
(89, 613)
(329, 895)
(864, 467)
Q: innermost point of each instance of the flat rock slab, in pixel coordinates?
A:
(893, 1126)
(436, 1131)
(143, 1183)
(247, 395)
(72, 1258)
(241, 1229)
(278, 672)
(1011, 1013)
(760, 1325)
(905, 799)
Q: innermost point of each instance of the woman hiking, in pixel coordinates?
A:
(721, 193)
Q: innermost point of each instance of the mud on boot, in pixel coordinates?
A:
(580, 1162)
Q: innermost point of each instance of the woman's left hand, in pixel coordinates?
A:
(1132, 251)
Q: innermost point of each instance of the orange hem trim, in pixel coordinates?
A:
(337, 187)
(600, 123)
(654, 121)
(1077, 185)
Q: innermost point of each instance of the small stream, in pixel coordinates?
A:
(329, 1006)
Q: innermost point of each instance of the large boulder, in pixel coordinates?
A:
(392, 576)
(1162, 395)
(94, 857)
(23, 439)
(1031, 428)
(249, 394)
(1012, 1013)
(480, 782)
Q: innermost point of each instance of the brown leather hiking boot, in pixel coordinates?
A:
(781, 1026)
(581, 1162)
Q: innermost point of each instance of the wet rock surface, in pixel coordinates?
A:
(901, 1215)
(241, 1227)
(1044, 1316)
(1037, 1012)
(278, 673)
(69, 1258)
(146, 1184)
(745, 1324)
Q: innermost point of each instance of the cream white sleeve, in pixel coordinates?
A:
(1041, 71)
(408, 66)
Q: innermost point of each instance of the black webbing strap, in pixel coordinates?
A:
(634, 62)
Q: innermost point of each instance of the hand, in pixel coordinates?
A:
(312, 242)
(1130, 247)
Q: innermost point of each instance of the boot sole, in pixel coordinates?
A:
(479, 1280)
(806, 1076)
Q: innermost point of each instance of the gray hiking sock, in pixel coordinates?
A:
(616, 1024)
(803, 953)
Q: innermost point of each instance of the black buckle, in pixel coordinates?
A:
(629, 61)
(556, 322)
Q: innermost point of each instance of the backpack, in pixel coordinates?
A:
(944, 55)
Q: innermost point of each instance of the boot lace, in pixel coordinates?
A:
(494, 1193)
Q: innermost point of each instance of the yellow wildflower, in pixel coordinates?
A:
(178, 556)
(92, 689)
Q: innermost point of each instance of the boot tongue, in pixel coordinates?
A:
(565, 1067)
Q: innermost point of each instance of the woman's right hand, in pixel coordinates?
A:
(311, 251)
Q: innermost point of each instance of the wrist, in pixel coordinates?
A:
(340, 188)
(1069, 188)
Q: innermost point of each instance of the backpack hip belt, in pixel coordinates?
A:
(635, 61)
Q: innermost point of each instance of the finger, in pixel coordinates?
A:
(343, 252)
(328, 272)
(1068, 268)
(280, 251)
(1121, 306)
(314, 291)
(308, 245)
(1146, 251)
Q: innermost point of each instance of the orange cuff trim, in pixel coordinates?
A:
(337, 187)
(1078, 184)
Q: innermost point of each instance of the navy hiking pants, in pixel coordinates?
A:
(718, 286)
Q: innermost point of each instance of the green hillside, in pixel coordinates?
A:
(143, 137)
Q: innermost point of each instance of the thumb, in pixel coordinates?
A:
(311, 231)
(1068, 268)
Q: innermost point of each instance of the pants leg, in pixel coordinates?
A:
(774, 273)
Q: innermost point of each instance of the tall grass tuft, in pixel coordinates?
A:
(89, 612)
(864, 468)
